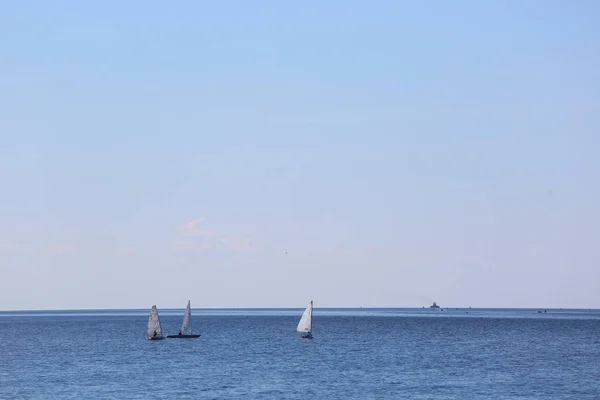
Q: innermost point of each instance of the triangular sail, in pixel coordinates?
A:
(305, 324)
(154, 323)
(186, 326)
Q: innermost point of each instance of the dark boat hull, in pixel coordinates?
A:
(156, 338)
(183, 336)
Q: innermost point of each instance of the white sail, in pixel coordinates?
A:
(186, 326)
(305, 324)
(154, 323)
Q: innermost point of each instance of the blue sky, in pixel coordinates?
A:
(399, 152)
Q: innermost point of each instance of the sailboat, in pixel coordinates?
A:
(154, 331)
(186, 326)
(305, 324)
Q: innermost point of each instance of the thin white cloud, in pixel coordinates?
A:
(535, 250)
(127, 250)
(59, 249)
(189, 228)
(8, 245)
(191, 238)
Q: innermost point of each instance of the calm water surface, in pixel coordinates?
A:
(255, 354)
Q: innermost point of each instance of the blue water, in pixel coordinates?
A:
(255, 354)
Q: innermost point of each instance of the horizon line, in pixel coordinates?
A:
(295, 308)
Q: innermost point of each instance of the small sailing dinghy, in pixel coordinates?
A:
(305, 324)
(154, 331)
(186, 326)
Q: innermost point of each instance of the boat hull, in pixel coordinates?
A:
(183, 336)
(156, 338)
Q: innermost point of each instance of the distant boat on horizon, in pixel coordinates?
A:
(154, 330)
(186, 327)
(305, 324)
(434, 305)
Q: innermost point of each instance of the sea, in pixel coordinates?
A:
(256, 354)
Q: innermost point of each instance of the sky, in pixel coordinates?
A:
(263, 154)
